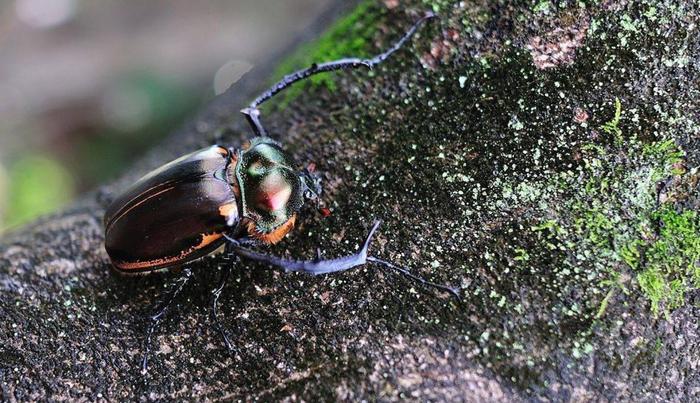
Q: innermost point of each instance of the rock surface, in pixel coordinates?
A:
(540, 154)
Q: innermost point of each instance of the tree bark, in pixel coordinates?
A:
(481, 145)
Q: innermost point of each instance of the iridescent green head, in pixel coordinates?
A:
(272, 191)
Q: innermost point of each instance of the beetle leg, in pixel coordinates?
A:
(252, 113)
(246, 241)
(319, 266)
(160, 313)
(216, 293)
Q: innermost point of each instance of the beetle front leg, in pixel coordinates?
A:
(160, 313)
(319, 266)
(252, 115)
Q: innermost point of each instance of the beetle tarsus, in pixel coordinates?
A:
(160, 313)
(253, 114)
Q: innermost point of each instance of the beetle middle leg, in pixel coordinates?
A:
(252, 113)
(319, 266)
(159, 314)
(216, 293)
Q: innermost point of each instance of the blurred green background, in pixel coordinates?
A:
(86, 87)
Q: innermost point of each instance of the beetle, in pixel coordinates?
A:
(238, 198)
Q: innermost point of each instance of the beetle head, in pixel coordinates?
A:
(272, 192)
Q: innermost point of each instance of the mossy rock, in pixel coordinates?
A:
(542, 155)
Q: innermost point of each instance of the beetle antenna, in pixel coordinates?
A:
(252, 113)
(318, 266)
(455, 291)
(383, 263)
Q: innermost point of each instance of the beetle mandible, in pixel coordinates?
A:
(239, 198)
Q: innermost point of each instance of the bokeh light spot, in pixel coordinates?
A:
(37, 185)
(127, 107)
(228, 74)
(45, 13)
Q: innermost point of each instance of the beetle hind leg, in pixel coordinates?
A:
(160, 313)
(214, 313)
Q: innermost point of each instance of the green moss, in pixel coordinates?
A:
(439, 6)
(351, 36)
(658, 345)
(614, 282)
(613, 127)
(542, 7)
(522, 255)
(673, 259)
(669, 152)
(630, 253)
(614, 222)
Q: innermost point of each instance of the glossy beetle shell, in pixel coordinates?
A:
(174, 214)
